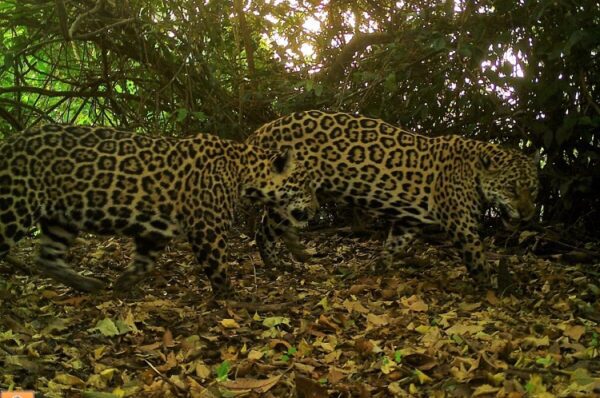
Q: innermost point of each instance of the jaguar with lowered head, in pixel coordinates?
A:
(68, 179)
(408, 178)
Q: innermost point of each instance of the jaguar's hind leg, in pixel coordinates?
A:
(13, 226)
(5, 243)
(55, 241)
(146, 252)
(5, 246)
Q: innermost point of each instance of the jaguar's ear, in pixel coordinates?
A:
(282, 162)
(485, 161)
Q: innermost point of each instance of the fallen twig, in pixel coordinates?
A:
(180, 391)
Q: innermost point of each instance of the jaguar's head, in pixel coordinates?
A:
(277, 180)
(509, 181)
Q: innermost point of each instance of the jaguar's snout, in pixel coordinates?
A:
(300, 215)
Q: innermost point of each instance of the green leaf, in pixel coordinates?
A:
(438, 44)
(122, 327)
(275, 321)
(465, 51)
(582, 377)
(595, 342)
(223, 370)
(324, 303)
(318, 90)
(107, 327)
(309, 84)
(390, 83)
(200, 116)
(181, 115)
(545, 362)
(398, 356)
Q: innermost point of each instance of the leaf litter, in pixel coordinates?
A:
(337, 326)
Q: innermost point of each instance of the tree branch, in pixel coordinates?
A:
(102, 29)
(6, 115)
(66, 94)
(239, 10)
(63, 19)
(358, 43)
(81, 17)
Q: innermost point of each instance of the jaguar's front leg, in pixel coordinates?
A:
(273, 226)
(209, 247)
(397, 243)
(466, 237)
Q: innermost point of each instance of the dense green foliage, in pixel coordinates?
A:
(522, 72)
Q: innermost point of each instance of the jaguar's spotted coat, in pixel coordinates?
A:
(72, 178)
(408, 178)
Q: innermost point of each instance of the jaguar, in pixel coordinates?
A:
(410, 179)
(66, 179)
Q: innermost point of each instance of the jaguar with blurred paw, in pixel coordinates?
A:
(408, 178)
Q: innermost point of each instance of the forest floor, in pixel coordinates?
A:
(336, 326)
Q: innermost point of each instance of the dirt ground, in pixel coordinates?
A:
(336, 326)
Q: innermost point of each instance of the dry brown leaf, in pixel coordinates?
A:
(537, 342)
(491, 298)
(574, 332)
(335, 375)
(326, 322)
(358, 288)
(378, 320)
(460, 329)
(308, 388)
(304, 367)
(256, 385)
(69, 380)
(74, 301)
(364, 346)
(149, 347)
(229, 323)
(279, 343)
(197, 391)
(168, 339)
(355, 306)
(465, 367)
(414, 303)
(419, 361)
(170, 363)
(484, 389)
(255, 355)
(202, 371)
